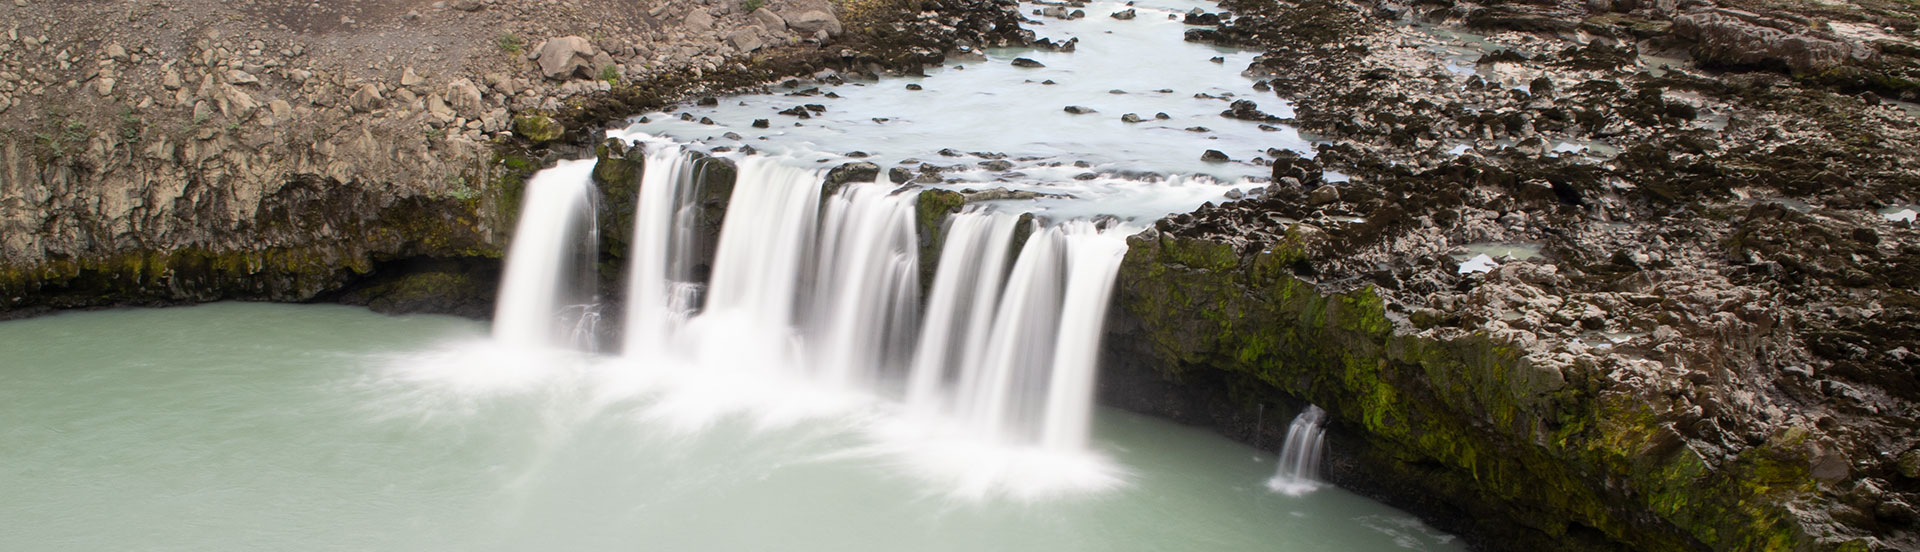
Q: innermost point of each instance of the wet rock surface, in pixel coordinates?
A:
(1713, 350)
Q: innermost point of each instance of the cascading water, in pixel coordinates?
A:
(662, 232)
(1299, 469)
(959, 315)
(820, 287)
(552, 248)
(866, 286)
(1093, 260)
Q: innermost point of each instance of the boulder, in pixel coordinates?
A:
(1730, 37)
(769, 20)
(745, 40)
(538, 128)
(699, 20)
(812, 21)
(464, 97)
(565, 57)
(366, 99)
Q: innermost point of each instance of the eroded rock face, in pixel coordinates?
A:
(1730, 37)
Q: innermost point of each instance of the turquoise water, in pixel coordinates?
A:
(287, 427)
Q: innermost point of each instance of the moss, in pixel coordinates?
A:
(930, 211)
(1467, 416)
(537, 128)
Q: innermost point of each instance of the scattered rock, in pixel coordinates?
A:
(1246, 110)
(746, 40)
(815, 21)
(367, 98)
(1130, 118)
(768, 20)
(407, 77)
(1123, 15)
(538, 129)
(1025, 62)
(465, 98)
(1214, 156)
(566, 57)
(1078, 110)
(699, 20)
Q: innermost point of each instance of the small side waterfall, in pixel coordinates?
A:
(1299, 469)
(549, 265)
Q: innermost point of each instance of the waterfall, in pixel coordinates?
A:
(660, 288)
(866, 285)
(960, 305)
(1012, 354)
(822, 290)
(1299, 468)
(1093, 260)
(553, 246)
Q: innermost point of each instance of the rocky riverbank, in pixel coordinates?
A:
(159, 153)
(1713, 347)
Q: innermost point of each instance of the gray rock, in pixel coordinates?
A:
(1130, 118)
(1323, 195)
(366, 99)
(1024, 62)
(1732, 37)
(1215, 156)
(1123, 15)
(699, 20)
(465, 98)
(771, 21)
(410, 78)
(813, 21)
(236, 76)
(565, 57)
(745, 40)
(467, 5)
(1078, 110)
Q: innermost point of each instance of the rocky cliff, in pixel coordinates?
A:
(1690, 326)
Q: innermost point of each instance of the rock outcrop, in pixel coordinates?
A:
(1735, 38)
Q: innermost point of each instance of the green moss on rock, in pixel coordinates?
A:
(538, 129)
(1467, 419)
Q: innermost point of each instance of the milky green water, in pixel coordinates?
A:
(280, 427)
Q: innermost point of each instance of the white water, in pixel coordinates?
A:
(865, 303)
(1299, 470)
(1093, 260)
(556, 227)
(814, 308)
(661, 228)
